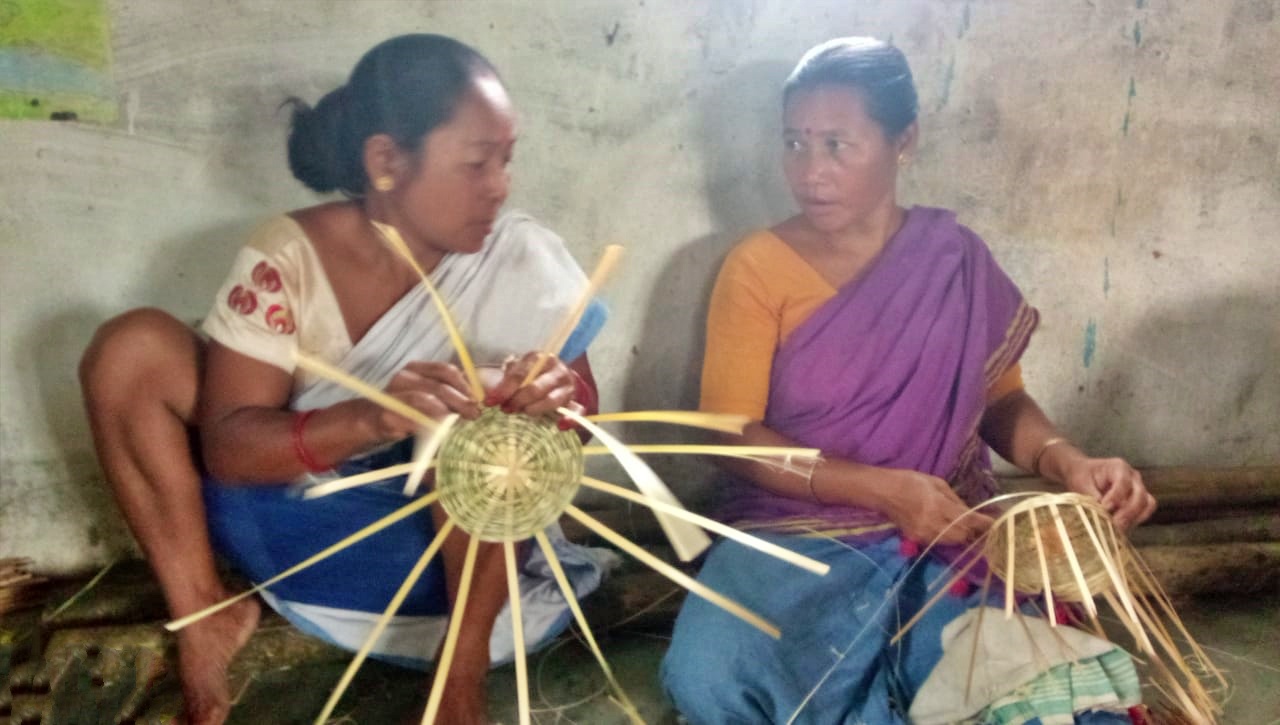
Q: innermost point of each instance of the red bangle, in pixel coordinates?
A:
(584, 394)
(300, 448)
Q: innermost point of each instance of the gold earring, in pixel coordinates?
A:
(384, 183)
(903, 159)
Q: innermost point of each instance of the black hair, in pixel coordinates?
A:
(871, 67)
(404, 87)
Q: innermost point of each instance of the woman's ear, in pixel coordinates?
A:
(383, 162)
(907, 140)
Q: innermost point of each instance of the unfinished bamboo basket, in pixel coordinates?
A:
(503, 477)
(1063, 547)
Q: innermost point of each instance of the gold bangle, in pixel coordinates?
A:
(1035, 461)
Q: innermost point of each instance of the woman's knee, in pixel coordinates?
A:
(700, 671)
(140, 350)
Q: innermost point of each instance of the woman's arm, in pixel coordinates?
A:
(1016, 428)
(248, 436)
(922, 506)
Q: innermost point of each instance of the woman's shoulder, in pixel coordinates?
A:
(515, 225)
(276, 235)
(759, 249)
(941, 228)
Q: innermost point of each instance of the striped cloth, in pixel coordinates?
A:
(1107, 683)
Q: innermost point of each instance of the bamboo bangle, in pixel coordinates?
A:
(1035, 461)
(813, 494)
(308, 461)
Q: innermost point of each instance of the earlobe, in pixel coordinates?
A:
(907, 140)
(382, 162)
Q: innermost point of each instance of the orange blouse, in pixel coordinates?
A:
(762, 294)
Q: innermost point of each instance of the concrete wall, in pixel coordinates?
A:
(1121, 158)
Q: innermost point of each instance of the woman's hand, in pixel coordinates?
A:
(1114, 483)
(924, 506)
(553, 387)
(434, 388)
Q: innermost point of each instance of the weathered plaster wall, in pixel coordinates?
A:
(1121, 158)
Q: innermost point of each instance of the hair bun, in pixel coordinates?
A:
(316, 137)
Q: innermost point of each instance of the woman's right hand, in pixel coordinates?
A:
(436, 389)
(925, 507)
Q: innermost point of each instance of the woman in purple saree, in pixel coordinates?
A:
(888, 338)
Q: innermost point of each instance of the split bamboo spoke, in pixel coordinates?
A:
(674, 574)
(426, 446)
(456, 616)
(381, 625)
(1086, 595)
(571, 598)
(1011, 580)
(1044, 570)
(356, 385)
(360, 479)
(555, 343)
(687, 539)
(723, 422)
(517, 631)
(729, 532)
(392, 237)
(402, 513)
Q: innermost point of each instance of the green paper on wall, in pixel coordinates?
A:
(55, 61)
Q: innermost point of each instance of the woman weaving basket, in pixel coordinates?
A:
(890, 339)
(419, 139)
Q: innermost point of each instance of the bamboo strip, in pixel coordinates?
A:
(1134, 625)
(1113, 570)
(1151, 587)
(356, 385)
(426, 446)
(748, 452)
(80, 593)
(687, 539)
(934, 600)
(380, 625)
(571, 598)
(604, 268)
(402, 513)
(391, 236)
(1009, 582)
(674, 574)
(1044, 570)
(745, 539)
(1086, 595)
(977, 631)
(517, 631)
(451, 637)
(360, 479)
(726, 423)
(1200, 705)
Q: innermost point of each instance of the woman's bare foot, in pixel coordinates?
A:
(205, 651)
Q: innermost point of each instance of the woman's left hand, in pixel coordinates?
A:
(553, 387)
(1116, 485)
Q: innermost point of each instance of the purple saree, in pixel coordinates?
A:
(893, 372)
